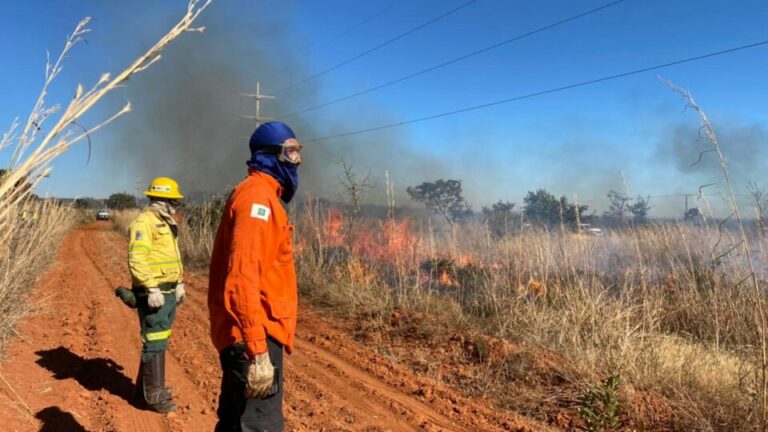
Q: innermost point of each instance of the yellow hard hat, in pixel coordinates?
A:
(164, 187)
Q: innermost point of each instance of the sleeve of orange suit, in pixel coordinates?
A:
(243, 280)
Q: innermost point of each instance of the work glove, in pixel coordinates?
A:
(155, 299)
(180, 293)
(259, 377)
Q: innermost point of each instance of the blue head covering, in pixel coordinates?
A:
(266, 144)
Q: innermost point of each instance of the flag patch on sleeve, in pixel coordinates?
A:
(259, 211)
(139, 235)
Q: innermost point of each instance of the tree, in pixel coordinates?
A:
(499, 218)
(618, 207)
(356, 190)
(640, 209)
(443, 197)
(694, 216)
(81, 203)
(758, 195)
(121, 201)
(544, 208)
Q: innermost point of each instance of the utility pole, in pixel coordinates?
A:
(258, 97)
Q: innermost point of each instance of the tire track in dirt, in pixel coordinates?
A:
(356, 387)
(104, 338)
(191, 391)
(76, 364)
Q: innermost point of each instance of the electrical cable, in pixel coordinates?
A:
(377, 47)
(454, 60)
(541, 93)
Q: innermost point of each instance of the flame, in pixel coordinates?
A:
(464, 260)
(447, 280)
(333, 229)
(390, 241)
(400, 241)
(533, 288)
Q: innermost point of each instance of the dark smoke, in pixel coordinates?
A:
(689, 150)
(186, 121)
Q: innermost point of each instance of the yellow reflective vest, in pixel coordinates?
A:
(153, 252)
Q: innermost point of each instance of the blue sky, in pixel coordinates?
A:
(576, 143)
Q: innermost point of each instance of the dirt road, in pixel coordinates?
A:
(73, 366)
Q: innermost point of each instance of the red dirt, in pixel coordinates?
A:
(72, 367)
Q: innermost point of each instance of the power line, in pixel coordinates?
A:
(358, 25)
(455, 60)
(541, 93)
(377, 47)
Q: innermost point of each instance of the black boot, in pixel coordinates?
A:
(139, 395)
(157, 397)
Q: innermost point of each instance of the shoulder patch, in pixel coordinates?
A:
(259, 211)
(139, 235)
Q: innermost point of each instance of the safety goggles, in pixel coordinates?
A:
(291, 151)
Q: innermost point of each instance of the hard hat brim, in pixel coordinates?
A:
(166, 195)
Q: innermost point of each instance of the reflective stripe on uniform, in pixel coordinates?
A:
(157, 336)
(162, 263)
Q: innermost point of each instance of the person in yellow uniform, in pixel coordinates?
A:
(156, 272)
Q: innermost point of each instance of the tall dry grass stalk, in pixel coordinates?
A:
(29, 247)
(34, 148)
(48, 132)
(761, 324)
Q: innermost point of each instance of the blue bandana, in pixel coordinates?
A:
(265, 144)
(285, 174)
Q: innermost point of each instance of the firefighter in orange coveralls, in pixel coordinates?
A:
(252, 295)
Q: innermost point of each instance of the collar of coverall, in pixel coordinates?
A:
(269, 179)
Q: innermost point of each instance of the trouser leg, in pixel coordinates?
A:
(235, 412)
(156, 327)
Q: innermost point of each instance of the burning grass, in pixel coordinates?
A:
(648, 304)
(537, 320)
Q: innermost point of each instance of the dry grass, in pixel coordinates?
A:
(39, 226)
(121, 219)
(648, 303)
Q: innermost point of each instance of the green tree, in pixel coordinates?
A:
(544, 208)
(443, 197)
(500, 218)
(81, 203)
(617, 209)
(121, 201)
(640, 209)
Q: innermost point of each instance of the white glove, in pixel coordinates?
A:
(260, 376)
(180, 293)
(155, 298)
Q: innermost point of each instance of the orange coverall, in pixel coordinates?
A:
(252, 281)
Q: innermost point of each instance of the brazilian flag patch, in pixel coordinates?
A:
(259, 211)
